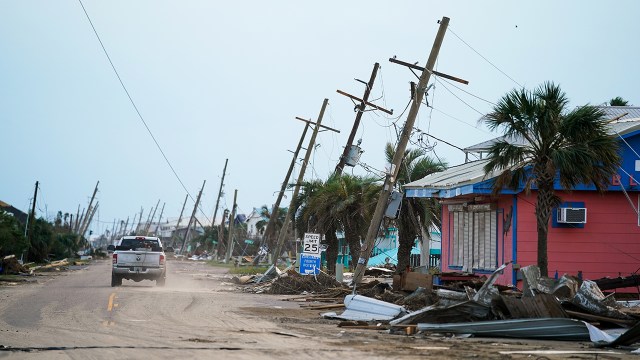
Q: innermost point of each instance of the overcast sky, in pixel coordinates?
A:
(216, 80)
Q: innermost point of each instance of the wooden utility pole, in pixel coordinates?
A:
(89, 219)
(139, 220)
(360, 110)
(215, 211)
(79, 221)
(146, 229)
(221, 234)
(84, 221)
(270, 229)
(32, 215)
(390, 178)
(159, 219)
(126, 225)
(290, 213)
(175, 231)
(75, 225)
(193, 214)
(231, 225)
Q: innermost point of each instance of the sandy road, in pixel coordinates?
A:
(77, 315)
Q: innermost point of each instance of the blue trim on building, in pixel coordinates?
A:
(514, 239)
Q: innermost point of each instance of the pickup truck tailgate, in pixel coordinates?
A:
(138, 258)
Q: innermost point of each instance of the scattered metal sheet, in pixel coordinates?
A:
(363, 308)
(629, 337)
(545, 328)
(560, 352)
(461, 312)
(487, 292)
(591, 299)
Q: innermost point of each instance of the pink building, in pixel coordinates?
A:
(591, 234)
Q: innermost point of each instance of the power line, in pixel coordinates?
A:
(485, 59)
(462, 121)
(459, 98)
(134, 104)
(463, 90)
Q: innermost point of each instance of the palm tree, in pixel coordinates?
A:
(415, 214)
(618, 101)
(572, 145)
(346, 203)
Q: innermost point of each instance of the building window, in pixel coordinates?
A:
(474, 241)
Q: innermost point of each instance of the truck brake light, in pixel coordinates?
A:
(161, 259)
(115, 258)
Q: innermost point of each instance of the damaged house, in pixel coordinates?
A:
(592, 235)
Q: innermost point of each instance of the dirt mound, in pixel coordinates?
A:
(294, 283)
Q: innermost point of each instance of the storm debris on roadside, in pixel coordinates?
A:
(545, 309)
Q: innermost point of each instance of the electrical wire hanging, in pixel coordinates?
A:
(136, 107)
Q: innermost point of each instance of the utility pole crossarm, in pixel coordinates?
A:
(420, 68)
(312, 123)
(390, 112)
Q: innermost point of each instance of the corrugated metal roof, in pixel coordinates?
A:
(458, 175)
(623, 125)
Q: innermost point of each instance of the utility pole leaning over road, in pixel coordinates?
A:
(215, 211)
(390, 178)
(89, 219)
(193, 214)
(290, 213)
(175, 231)
(360, 110)
(231, 225)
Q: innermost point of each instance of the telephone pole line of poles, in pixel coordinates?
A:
(290, 212)
(193, 214)
(390, 178)
(231, 226)
(215, 211)
(86, 216)
(139, 221)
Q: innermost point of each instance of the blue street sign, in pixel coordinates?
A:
(309, 264)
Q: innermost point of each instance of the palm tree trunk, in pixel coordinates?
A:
(353, 240)
(407, 226)
(544, 205)
(332, 250)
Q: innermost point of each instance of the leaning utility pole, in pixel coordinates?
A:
(215, 211)
(303, 168)
(75, 225)
(159, 219)
(390, 178)
(139, 220)
(360, 110)
(193, 214)
(32, 215)
(231, 225)
(146, 228)
(86, 216)
(126, 225)
(175, 231)
(221, 233)
(89, 219)
(270, 229)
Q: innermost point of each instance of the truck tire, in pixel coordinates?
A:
(115, 280)
(160, 281)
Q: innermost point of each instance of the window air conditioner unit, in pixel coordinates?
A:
(572, 215)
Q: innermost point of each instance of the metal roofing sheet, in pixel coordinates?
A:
(458, 175)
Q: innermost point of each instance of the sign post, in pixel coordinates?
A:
(310, 256)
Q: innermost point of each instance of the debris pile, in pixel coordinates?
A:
(294, 283)
(11, 266)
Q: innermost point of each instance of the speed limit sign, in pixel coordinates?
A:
(311, 243)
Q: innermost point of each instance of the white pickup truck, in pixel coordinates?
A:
(139, 258)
